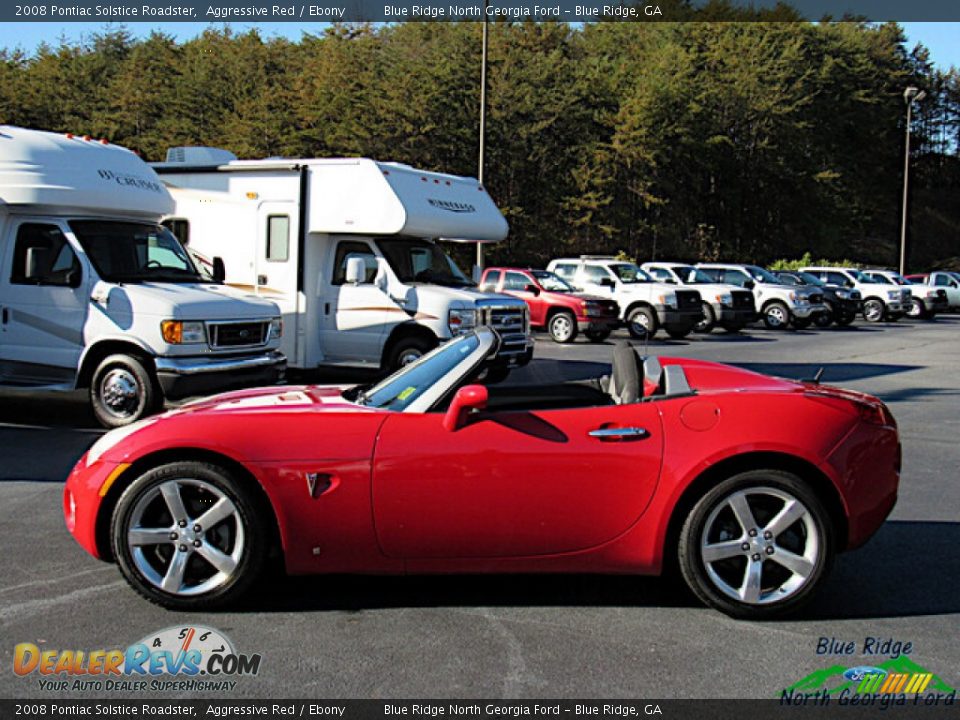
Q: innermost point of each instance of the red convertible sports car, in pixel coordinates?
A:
(748, 484)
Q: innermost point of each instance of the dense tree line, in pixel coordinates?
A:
(739, 140)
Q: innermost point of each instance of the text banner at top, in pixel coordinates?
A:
(574, 11)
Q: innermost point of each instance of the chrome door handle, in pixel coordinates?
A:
(619, 433)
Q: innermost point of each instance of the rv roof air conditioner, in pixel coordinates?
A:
(199, 155)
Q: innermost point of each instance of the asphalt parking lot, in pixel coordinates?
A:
(536, 637)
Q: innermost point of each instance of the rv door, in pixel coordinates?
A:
(276, 265)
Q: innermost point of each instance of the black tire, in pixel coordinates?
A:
(642, 322)
(407, 350)
(709, 319)
(801, 323)
(495, 374)
(562, 327)
(677, 334)
(874, 310)
(823, 320)
(247, 515)
(777, 316)
(772, 600)
(844, 320)
(123, 391)
(597, 336)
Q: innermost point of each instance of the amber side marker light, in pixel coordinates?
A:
(111, 478)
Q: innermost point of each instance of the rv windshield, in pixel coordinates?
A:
(134, 252)
(415, 260)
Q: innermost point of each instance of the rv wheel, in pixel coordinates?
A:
(122, 391)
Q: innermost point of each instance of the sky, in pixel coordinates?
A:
(943, 38)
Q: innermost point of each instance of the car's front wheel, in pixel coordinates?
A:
(709, 319)
(873, 310)
(189, 536)
(757, 545)
(563, 327)
(776, 316)
(122, 391)
(642, 322)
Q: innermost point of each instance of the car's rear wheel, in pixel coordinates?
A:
(757, 545)
(709, 318)
(597, 336)
(189, 536)
(563, 327)
(776, 316)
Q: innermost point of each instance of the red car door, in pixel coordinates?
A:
(513, 483)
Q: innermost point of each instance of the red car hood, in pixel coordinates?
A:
(318, 397)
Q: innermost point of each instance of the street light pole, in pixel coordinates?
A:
(910, 96)
(483, 114)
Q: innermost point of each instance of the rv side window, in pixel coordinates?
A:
(180, 228)
(348, 249)
(42, 256)
(278, 238)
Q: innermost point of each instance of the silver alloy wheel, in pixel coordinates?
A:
(410, 355)
(873, 311)
(916, 309)
(641, 323)
(762, 550)
(709, 319)
(201, 546)
(561, 327)
(120, 392)
(776, 316)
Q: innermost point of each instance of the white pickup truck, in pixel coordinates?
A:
(926, 301)
(881, 300)
(646, 304)
(946, 280)
(780, 306)
(96, 294)
(728, 306)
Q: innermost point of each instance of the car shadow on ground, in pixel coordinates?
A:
(907, 569)
(832, 372)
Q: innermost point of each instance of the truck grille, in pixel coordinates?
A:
(815, 298)
(239, 334)
(688, 299)
(742, 300)
(510, 322)
(906, 295)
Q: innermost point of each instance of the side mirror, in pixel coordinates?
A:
(531, 288)
(219, 270)
(356, 270)
(608, 282)
(749, 284)
(671, 281)
(468, 398)
(953, 284)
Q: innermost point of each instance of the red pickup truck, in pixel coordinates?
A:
(554, 305)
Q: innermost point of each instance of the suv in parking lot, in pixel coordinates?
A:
(926, 301)
(645, 304)
(881, 300)
(553, 303)
(779, 305)
(844, 303)
(728, 306)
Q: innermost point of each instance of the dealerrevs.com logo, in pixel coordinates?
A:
(175, 659)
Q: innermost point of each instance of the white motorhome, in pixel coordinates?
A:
(349, 250)
(95, 293)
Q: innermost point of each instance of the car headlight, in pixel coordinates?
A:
(592, 308)
(842, 294)
(894, 294)
(669, 299)
(178, 332)
(725, 299)
(276, 328)
(461, 321)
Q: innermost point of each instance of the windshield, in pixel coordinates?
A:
(410, 382)
(790, 279)
(134, 252)
(550, 282)
(810, 279)
(897, 278)
(415, 260)
(629, 273)
(690, 275)
(861, 278)
(761, 275)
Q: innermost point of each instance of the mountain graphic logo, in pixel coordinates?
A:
(897, 675)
